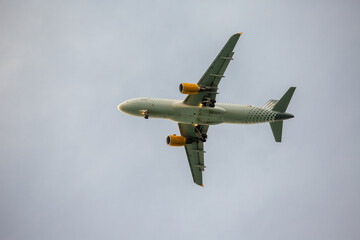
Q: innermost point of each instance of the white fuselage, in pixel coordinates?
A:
(177, 111)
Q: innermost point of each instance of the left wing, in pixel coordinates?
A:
(214, 74)
(195, 148)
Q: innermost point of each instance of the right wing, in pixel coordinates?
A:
(214, 73)
(195, 149)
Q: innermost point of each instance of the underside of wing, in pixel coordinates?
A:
(195, 135)
(195, 155)
(214, 74)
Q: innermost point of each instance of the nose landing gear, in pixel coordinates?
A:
(146, 114)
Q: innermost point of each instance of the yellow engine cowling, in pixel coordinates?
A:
(189, 88)
(175, 141)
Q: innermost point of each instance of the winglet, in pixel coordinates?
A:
(240, 33)
(202, 185)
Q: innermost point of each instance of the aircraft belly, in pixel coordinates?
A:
(236, 113)
(161, 112)
(198, 115)
(247, 114)
(211, 116)
(221, 113)
(186, 115)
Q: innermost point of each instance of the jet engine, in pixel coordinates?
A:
(189, 88)
(176, 141)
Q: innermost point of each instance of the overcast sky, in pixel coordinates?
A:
(73, 167)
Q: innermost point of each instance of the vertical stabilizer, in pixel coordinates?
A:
(276, 128)
(283, 103)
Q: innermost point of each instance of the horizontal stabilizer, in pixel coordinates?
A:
(283, 103)
(276, 128)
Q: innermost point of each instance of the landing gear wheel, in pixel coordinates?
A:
(146, 114)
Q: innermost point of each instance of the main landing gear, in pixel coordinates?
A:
(208, 102)
(212, 103)
(202, 136)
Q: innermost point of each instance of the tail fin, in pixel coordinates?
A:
(283, 103)
(281, 106)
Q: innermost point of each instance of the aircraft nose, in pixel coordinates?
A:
(122, 107)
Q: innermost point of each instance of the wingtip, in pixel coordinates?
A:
(240, 33)
(202, 185)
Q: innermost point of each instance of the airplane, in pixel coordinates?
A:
(199, 110)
